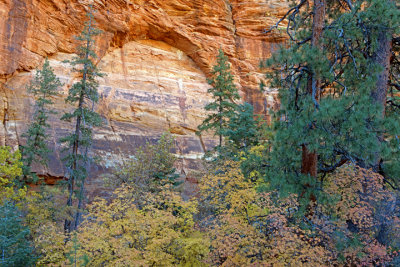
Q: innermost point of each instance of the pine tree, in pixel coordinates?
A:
(224, 93)
(326, 76)
(242, 131)
(84, 95)
(15, 247)
(43, 87)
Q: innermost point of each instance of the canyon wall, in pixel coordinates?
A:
(156, 55)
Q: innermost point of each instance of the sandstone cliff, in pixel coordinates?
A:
(156, 54)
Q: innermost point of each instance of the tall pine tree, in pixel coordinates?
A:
(224, 94)
(43, 87)
(83, 95)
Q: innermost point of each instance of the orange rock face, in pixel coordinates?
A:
(156, 54)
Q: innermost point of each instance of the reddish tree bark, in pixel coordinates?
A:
(309, 162)
(382, 57)
(310, 158)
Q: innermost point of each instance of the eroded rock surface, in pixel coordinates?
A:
(156, 54)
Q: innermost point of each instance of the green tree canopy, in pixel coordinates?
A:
(224, 93)
(43, 87)
(242, 130)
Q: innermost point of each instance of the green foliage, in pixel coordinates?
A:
(152, 166)
(254, 162)
(380, 16)
(249, 210)
(43, 87)
(242, 130)
(224, 93)
(393, 96)
(15, 247)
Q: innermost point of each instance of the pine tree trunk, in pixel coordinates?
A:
(80, 202)
(309, 162)
(310, 158)
(382, 57)
(68, 226)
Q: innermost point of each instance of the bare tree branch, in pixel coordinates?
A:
(349, 4)
(291, 14)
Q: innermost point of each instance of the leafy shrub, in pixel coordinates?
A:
(151, 166)
(360, 219)
(159, 233)
(10, 169)
(252, 229)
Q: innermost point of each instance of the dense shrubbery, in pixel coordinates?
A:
(229, 224)
(150, 166)
(358, 223)
(159, 232)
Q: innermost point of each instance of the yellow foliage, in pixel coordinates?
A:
(228, 190)
(159, 232)
(235, 243)
(49, 242)
(251, 229)
(258, 150)
(10, 169)
(45, 214)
